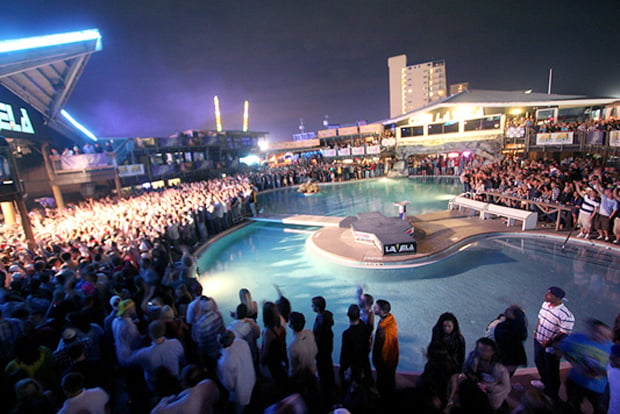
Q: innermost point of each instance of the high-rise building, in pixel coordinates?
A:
(415, 86)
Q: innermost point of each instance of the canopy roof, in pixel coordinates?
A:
(495, 98)
(43, 70)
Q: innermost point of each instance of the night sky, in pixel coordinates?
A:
(163, 60)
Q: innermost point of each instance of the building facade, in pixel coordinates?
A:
(415, 86)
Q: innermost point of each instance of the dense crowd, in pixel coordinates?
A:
(552, 125)
(104, 313)
(591, 191)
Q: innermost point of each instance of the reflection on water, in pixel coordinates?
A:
(475, 284)
(350, 198)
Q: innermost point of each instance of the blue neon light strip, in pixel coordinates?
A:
(50, 40)
(78, 125)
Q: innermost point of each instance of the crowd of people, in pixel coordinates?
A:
(552, 125)
(104, 312)
(589, 191)
(438, 165)
(87, 148)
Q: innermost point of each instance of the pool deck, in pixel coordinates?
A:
(437, 234)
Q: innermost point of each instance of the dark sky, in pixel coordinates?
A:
(163, 60)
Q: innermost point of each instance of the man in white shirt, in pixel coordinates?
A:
(236, 370)
(555, 322)
(162, 352)
(80, 400)
(246, 329)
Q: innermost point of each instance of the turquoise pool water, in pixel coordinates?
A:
(475, 284)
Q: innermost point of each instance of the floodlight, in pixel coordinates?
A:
(78, 125)
(35, 42)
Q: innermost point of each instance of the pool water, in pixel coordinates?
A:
(476, 283)
(349, 198)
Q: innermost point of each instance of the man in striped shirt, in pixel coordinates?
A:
(589, 208)
(555, 322)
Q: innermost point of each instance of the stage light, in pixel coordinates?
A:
(263, 145)
(50, 40)
(250, 160)
(78, 125)
(246, 112)
(218, 117)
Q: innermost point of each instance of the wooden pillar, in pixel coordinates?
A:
(60, 202)
(8, 211)
(117, 180)
(26, 224)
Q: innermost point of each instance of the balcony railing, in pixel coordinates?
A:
(83, 162)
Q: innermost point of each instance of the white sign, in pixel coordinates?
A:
(614, 138)
(329, 152)
(555, 138)
(7, 120)
(373, 149)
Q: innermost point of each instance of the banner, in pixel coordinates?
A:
(555, 138)
(515, 132)
(326, 133)
(595, 137)
(83, 161)
(344, 152)
(371, 129)
(308, 143)
(304, 136)
(348, 131)
(131, 170)
(373, 149)
(614, 138)
(329, 152)
(357, 150)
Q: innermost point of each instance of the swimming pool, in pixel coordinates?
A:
(476, 283)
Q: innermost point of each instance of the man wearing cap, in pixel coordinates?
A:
(555, 322)
(127, 337)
